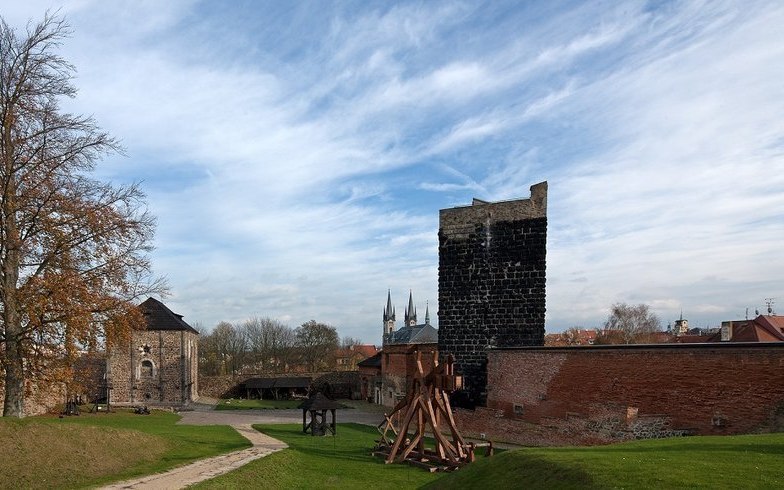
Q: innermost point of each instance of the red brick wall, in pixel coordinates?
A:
(398, 364)
(672, 387)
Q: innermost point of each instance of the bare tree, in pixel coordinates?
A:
(73, 250)
(269, 342)
(210, 360)
(228, 345)
(317, 343)
(629, 324)
(348, 342)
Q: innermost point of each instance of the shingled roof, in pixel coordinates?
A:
(159, 317)
(414, 334)
(319, 402)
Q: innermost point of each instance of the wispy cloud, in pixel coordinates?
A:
(297, 155)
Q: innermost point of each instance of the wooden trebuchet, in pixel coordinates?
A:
(426, 408)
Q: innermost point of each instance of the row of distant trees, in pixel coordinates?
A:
(626, 324)
(265, 345)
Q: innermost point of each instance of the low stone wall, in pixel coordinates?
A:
(40, 399)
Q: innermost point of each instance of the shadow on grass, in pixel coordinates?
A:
(524, 472)
(705, 444)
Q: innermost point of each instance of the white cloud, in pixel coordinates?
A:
(300, 175)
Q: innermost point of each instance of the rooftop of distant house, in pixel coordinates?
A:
(763, 328)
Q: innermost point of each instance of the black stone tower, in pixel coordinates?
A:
(491, 281)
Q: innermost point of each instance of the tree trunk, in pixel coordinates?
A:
(14, 366)
(14, 380)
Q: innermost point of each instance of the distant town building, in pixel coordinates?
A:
(348, 358)
(572, 336)
(764, 328)
(681, 327)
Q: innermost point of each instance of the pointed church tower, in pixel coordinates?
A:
(389, 315)
(411, 316)
(427, 313)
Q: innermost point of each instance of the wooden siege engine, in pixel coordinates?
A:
(426, 408)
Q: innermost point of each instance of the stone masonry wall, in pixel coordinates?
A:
(491, 285)
(173, 379)
(587, 395)
(39, 397)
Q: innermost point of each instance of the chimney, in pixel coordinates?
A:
(726, 331)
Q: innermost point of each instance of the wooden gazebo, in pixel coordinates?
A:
(317, 406)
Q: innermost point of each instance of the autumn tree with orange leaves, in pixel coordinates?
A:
(73, 250)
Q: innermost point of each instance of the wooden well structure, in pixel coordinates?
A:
(317, 406)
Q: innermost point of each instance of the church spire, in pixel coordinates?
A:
(411, 316)
(427, 313)
(389, 314)
(389, 310)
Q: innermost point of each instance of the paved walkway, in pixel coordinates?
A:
(208, 468)
(241, 421)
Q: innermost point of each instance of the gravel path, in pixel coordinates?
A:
(241, 420)
(208, 468)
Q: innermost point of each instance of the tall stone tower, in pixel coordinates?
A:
(491, 281)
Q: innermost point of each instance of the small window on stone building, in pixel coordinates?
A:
(146, 369)
(146, 349)
(518, 409)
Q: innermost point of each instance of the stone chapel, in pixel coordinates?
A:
(160, 365)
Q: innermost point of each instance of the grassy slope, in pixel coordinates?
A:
(103, 447)
(45, 455)
(343, 461)
(752, 461)
(256, 404)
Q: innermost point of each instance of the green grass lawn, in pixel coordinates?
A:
(342, 461)
(232, 404)
(74, 452)
(753, 461)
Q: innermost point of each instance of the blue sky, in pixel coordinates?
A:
(296, 154)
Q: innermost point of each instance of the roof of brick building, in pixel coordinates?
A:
(764, 328)
(319, 401)
(360, 350)
(373, 361)
(413, 334)
(158, 317)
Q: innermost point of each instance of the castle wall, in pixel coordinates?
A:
(491, 285)
(610, 393)
(158, 367)
(39, 397)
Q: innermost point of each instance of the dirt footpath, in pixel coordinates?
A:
(205, 469)
(294, 416)
(241, 420)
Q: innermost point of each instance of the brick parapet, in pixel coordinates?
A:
(611, 393)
